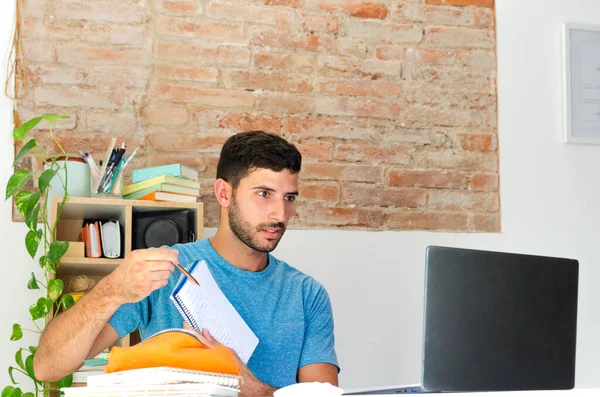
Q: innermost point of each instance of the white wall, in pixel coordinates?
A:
(16, 266)
(375, 280)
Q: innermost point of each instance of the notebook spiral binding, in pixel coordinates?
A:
(185, 313)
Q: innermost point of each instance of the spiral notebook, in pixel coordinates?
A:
(176, 390)
(206, 306)
(163, 376)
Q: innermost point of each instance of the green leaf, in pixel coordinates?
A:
(19, 358)
(47, 264)
(12, 378)
(66, 301)
(40, 309)
(32, 283)
(45, 179)
(65, 382)
(22, 130)
(31, 219)
(29, 367)
(8, 391)
(16, 182)
(55, 288)
(17, 332)
(57, 250)
(17, 393)
(26, 200)
(33, 349)
(28, 394)
(32, 241)
(24, 150)
(52, 118)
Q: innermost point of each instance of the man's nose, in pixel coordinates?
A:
(277, 212)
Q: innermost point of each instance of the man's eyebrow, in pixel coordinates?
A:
(268, 189)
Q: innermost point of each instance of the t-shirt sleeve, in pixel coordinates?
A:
(130, 317)
(319, 340)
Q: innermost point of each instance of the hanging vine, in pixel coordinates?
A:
(16, 74)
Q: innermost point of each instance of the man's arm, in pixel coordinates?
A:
(83, 330)
(318, 372)
(68, 339)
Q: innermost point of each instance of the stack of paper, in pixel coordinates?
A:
(180, 390)
(160, 381)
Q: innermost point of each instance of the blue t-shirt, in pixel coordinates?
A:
(289, 312)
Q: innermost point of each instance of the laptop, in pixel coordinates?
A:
(496, 321)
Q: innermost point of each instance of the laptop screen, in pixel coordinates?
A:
(498, 321)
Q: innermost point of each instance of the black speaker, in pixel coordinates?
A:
(158, 228)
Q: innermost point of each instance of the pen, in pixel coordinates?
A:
(130, 157)
(111, 169)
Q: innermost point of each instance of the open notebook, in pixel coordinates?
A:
(206, 306)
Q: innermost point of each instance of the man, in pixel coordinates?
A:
(256, 186)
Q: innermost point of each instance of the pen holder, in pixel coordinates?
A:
(78, 177)
(110, 188)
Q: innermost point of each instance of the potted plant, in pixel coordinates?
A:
(33, 205)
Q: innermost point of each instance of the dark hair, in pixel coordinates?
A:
(245, 151)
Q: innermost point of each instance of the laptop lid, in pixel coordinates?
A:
(498, 321)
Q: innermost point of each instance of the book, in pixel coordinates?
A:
(180, 170)
(166, 196)
(163, 376)
(207, 307)
(177, 390)
(82, 376)
(172, 180)
(164, 187)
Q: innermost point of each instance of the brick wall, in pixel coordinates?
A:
(392, 102)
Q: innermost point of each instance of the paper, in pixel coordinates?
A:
(210, 309)
(590, 79)
(163, 376)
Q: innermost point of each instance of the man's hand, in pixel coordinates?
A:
(251, 386)
(142, 272)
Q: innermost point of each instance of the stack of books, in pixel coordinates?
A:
(158, 381)
(172, 182)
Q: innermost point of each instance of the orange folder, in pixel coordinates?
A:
(91, 239)
(177, 349)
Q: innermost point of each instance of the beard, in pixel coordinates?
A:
(248, 234)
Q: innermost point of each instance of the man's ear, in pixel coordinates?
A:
(223, 192)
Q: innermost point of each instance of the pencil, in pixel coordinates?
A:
(187, 274)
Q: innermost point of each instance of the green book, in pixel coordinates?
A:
(165, 187)
(171, 180)
(179, 170)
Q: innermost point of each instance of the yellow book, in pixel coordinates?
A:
(173, 180)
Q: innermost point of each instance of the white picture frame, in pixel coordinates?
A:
(581, 74)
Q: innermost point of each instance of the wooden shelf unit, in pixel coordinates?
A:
(76, 209)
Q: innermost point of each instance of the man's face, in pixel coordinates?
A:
(261, 207)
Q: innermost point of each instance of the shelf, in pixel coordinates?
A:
(87, 266)
(79, 207)
(89, 261)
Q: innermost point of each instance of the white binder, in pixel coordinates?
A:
(111, 239)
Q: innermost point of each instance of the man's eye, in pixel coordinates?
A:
(291, 199)
(263, 194)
